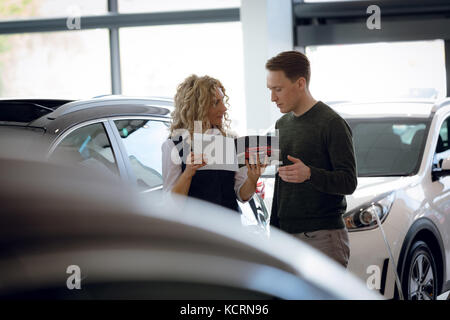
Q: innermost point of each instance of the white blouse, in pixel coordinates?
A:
(171, 171)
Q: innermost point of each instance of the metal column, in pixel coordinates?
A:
(116, 78)
(447, 65)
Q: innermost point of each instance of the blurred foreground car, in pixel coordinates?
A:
(118, 135)
(402, 150)
(68, 233)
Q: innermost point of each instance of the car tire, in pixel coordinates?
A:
(420, 278)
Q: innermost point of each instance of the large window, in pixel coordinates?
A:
(156, 59)
(127, 6)
(67, 65)
(378, 70)
(153, 60)
(20, 9)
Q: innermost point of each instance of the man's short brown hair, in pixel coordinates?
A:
(294, 64)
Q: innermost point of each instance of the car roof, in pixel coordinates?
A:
(40, 113)
(395, 108)
(153, 105)
(386, 108)
(82, 111)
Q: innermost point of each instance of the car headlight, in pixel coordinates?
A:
(363, 217)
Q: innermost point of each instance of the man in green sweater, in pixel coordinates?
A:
(319, 166)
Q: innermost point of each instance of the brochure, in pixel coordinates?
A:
(225, 153)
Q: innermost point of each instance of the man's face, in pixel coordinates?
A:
(285, 93)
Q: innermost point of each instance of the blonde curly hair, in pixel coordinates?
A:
(195, 95)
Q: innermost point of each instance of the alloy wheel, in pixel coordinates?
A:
(421, 279)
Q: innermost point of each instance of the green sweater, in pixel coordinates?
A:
(322, 140)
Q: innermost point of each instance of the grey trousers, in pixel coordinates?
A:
(333, 243)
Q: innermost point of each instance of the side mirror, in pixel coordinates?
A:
(441, 171)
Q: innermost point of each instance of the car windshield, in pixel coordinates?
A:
(388, 147)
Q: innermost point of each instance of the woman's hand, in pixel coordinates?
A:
(184, 181)
(194, 162)
(256, 169)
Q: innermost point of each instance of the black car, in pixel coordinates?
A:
(71, 233)
(114, 134)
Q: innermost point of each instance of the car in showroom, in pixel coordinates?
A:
(76, 233)
(402, 150)
(118, 135)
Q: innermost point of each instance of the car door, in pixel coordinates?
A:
(140, 140)
(438, 195)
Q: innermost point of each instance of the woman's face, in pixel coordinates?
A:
(217, 110)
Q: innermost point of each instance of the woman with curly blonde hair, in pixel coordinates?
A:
(203, 100)
(193, 99)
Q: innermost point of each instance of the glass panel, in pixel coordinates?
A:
(67, 65)
(378, 70)
(87, 146)
(443, 136)
(21, 111)
(401, 139)
(169, 54)
(21, 9)
(127, 6)
(442, 146)
(142, 140)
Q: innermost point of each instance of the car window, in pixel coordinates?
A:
(443, 138)
(142, 139)
(87, 146)
(442, 146)
(17, 111)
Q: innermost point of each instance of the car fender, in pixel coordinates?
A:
(427, 226)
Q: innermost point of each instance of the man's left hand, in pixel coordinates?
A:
(297, 172)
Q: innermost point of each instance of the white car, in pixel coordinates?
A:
(402, 150)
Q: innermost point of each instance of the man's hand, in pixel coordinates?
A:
(294, 173)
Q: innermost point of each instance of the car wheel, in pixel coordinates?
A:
(420, 273)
